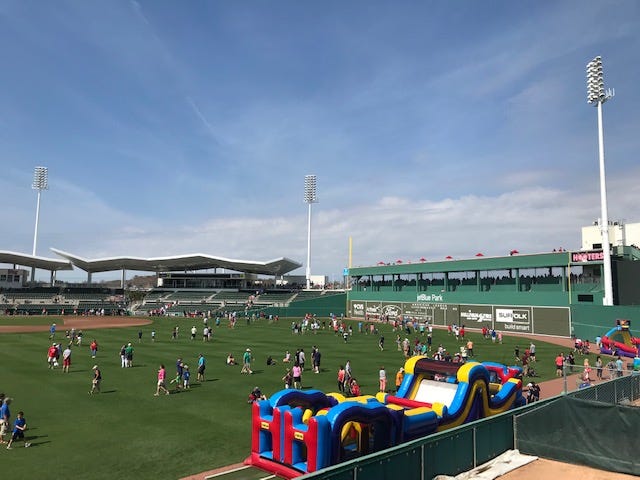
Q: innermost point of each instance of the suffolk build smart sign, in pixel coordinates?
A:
(516, 319)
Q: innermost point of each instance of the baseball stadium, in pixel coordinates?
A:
(552, 298)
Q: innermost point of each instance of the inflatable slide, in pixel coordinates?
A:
(619, 341)
(301, 431)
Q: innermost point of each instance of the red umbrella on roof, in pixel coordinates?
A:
(422, 259)
(380, 262)
(449, 257)
(479, 254)
(398, 261)
(513, 252)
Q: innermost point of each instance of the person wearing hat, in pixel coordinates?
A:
(96, 381)
(128, 355)
(51, 355)
(399, 378)
(246, 362)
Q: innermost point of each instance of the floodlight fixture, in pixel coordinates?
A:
(40, 182)
(310, 197)
(597, 95)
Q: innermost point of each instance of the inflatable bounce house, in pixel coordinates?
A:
(300, 431)
(618, 341)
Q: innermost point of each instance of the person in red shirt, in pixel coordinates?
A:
(51, 355)
(559, 364)
(94, 348)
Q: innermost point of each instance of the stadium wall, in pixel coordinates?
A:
(322, 306)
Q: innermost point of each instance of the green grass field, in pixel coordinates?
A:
(126, 432)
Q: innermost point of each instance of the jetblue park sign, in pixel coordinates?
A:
(430, 297)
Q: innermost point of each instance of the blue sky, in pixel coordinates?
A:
(435, 128)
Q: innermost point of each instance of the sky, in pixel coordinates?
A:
(434, 128)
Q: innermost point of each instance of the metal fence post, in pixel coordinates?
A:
(475, 447)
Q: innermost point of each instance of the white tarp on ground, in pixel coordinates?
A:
(508, 461)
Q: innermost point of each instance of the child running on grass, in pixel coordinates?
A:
(19, 427)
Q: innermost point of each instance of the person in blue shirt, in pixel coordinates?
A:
(186, 375)
(201, 367)
(19, 427)
(52, 331)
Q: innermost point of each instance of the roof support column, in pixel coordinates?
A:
(89, 278)
(33, 276)
(52, 277)
(478, 285)
(124, 277)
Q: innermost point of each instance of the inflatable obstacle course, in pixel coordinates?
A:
(300, 431)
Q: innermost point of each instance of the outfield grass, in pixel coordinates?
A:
(126, 432)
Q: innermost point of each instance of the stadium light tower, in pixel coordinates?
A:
(309, 198)
(596, 95)
(40, 182)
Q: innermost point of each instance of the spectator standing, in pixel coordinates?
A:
(559, 364)
(599, 367)
(51, 355)
(66, 359)
(186, 377)
(296, 371)
(123, 356)
(341, 379)
(246, 362)
(128, 355)
(301, 358)
(619, 367)
(470, 348)
(382, 375)
(96, 381)
(202, 365)
(5, 418)
(94, 348)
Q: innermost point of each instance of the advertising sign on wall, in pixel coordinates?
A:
(421, 311)
(392, 310)
(357, 309)
(472, 315)
(513, 319)
(373, 309)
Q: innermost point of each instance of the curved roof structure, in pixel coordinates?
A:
(51, 264)
(197, 261)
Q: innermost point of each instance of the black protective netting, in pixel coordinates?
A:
(583, 432)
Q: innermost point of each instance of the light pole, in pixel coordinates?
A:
(309, 198)
(40, 182)
(596, 95)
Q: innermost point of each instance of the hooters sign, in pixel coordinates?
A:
(591, 256)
